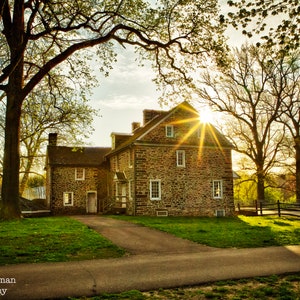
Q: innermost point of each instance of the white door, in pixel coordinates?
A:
(91, 206)
(124, 195)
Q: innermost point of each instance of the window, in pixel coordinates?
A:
(130, 189)
(169, 131)
(68, 199)
(180, 158)
(79, 174)
(220, 213)
(155, 190)
(217, 189)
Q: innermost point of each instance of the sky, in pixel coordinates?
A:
(122, 97)
(125, 93)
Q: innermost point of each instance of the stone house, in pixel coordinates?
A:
(76, 178)
(170, 165)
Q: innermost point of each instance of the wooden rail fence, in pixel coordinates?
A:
(263, 209)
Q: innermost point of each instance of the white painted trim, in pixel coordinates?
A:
(72, 198)
(159, 190)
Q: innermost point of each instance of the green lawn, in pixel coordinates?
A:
(55, 239)
(239, 232)
(51, 239)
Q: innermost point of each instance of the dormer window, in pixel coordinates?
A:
(169, 131)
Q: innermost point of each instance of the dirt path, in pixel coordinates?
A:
(137, 239)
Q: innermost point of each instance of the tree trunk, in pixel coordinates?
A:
(14, 33)
(297, 147)
(260, 184)
(10, 208)
(24, 180)
(25, 177)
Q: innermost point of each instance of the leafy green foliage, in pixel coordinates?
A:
(36, 181)
(255, 15)
(279, 188)
(65, 110)
(50, 240)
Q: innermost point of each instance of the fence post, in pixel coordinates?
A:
(261, 208)
(278, 207)
(239, 207)
(256, 207)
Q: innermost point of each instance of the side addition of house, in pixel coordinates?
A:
(171, 165)
(76, 178)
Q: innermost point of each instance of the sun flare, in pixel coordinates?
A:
(206, 115)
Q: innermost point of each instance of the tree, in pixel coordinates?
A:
(286, 83)
(38, 36)
(243, 91)
(57, 104)
(72, 118)
(255, 17)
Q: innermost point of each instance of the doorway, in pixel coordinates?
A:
(124, 195)
(91, 205)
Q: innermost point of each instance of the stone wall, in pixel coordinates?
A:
(63, 180)
(184, 190)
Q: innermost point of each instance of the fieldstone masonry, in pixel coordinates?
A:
(185, 191)
(122, 175)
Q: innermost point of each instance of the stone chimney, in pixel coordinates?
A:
(52, 139)
(118, 138)
(150, 114)
(135, 126)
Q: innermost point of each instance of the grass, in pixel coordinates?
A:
(55, 239)
(64, 239)
(283, 287)
(238, 232)
(51, 239)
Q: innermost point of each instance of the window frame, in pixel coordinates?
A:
(130, 189)
(179, 157)
(151, 188)
(69, 198)
(217, 184)
(170, 133)
(79, 178)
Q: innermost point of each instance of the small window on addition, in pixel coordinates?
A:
(169, 131)
(68, 198)
(79, 174)
(218, 189)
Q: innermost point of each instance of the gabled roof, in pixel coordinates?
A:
(212, 137)
(142, 130)
(120, 176)
(76, 156)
